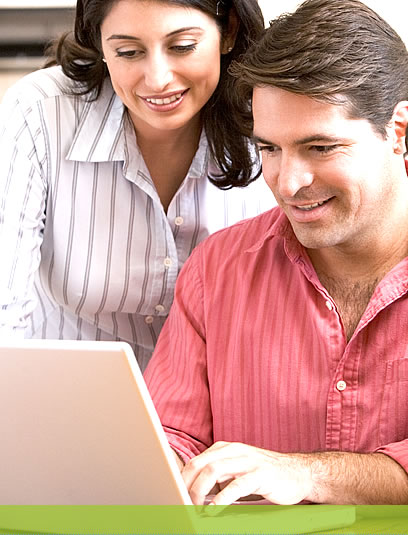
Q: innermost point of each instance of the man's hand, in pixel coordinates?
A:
(289, 478)
(244, 470)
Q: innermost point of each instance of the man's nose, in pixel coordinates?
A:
(294, 174)
(158, 73)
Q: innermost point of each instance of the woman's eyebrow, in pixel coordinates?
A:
(186, 29)
(133, 37)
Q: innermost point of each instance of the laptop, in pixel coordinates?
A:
(78, 427)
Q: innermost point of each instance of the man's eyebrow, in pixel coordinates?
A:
(318, 138)
(315, 138)
(257, 139)
(171, 34)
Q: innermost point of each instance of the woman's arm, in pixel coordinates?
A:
(23, 193)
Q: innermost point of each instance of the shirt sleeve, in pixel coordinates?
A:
(397, 451)
(177, 374)
(22, 212)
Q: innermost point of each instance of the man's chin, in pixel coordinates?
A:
(318, 239)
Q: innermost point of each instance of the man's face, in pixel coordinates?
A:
(334, 177)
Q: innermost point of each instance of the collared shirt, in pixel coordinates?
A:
(255, 351)
(87, 251)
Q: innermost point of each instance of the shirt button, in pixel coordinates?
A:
(168, 262)
(159, 308)
(149, 319)
(329, 305)
(341, 385)
(179, 220)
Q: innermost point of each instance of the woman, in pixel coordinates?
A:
(111, 163)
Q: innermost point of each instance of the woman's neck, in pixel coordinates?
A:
(168, 155)
(176, 140)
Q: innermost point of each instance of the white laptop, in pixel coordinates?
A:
(78, 426)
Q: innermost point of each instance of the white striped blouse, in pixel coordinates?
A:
(87, 251)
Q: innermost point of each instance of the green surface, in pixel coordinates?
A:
(189, 519)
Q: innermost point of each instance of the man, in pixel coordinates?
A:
(283, 368)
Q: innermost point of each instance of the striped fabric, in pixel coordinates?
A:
(254, 351)
(87, 249)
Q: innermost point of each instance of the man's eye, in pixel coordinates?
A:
(268, 149)
(324, 148)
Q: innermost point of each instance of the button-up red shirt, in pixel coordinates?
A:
(254, 351)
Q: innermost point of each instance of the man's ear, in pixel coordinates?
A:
(230, 36)
(399, 124)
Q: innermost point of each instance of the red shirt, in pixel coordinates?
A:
(254, 351)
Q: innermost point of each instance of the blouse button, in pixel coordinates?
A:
(341, 385)
(159, 308)
(329, 305)
(168, 262)
(179, 221)
(149, 319)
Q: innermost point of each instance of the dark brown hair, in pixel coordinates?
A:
(80, 56)
(339, 51)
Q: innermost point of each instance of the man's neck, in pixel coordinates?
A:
(372, 260)
(352, 275)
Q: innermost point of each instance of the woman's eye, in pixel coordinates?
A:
(128, 53)
(182, 49)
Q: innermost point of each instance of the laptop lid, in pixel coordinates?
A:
(79, 427)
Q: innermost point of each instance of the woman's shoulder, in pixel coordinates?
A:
(48, 92)
(41, 84)
(45, 84)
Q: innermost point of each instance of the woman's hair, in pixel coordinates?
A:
(80, 55)
(338, 51)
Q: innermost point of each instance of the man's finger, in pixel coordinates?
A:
(216, 472)
(241, 486)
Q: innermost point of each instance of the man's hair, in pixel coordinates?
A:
(339, 51)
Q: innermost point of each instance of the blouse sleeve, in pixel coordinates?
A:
(177, 374)
(22, 212)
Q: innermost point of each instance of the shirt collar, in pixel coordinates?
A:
(100, 134)
(200, 165)
(393, 286)
(105, 134)
(280, 227)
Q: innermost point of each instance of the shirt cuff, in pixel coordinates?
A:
(185, 446)
(397, 451)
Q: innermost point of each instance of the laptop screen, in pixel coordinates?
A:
(79, 427)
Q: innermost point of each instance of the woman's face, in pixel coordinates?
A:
(163, 60)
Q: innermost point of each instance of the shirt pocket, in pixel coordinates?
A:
(394, 404)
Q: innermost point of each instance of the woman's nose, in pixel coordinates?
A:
(158, 73)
